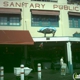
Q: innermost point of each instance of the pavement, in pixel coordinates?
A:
(46, 75)
(52, 75)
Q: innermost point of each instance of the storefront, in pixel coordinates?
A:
(46, 49)
(13, 48)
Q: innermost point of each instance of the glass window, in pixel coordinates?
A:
(74, 21)
(9, 20)
(70, 22)
(45, 20)
(14, 21)
(3, 20)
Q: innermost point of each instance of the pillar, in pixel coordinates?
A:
(39, 71)
(1, 73)
(69, 54)
(22, 72)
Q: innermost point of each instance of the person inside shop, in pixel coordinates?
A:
(61, 61)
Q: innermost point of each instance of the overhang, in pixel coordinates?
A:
(45, 12)
(56, 39)
(17, 37)
(10, 11)
(74, 13)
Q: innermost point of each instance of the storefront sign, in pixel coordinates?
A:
(23, 4)
(38, 5)
(66, 7)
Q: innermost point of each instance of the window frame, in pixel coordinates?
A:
(74, 18)
(8, 18)
(49, 22)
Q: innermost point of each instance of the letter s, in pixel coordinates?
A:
(5, 3)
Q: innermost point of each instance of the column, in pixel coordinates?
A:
(39, 71)
(69, 54)
(22, 72)
(1, 73)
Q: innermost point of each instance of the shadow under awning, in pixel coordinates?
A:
(19, 37)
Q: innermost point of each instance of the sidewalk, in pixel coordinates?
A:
(46, 75)
(51, 75)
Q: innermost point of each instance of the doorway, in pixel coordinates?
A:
(10, 56)
(48, 54)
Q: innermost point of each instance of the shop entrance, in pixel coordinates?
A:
(10, 56)
(48, 54)
(76, 55)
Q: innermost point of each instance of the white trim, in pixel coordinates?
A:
(43, 39)
(74, 39)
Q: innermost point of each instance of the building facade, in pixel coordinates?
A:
(58, 14)
(34, 14)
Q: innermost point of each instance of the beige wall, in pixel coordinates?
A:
(62, 30)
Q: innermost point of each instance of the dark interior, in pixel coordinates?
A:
(46, 53)
(51, 52)
(10, 56)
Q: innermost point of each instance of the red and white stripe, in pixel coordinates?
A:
(1, 73)
(39, 71)
(22, 72)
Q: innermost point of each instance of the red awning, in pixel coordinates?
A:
(10, 10)
(15, 37)
(74, 13)
(45, 12)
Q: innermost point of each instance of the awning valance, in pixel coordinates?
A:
(44, 12)
(19, 37)
(10, 10)
(74, 13)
